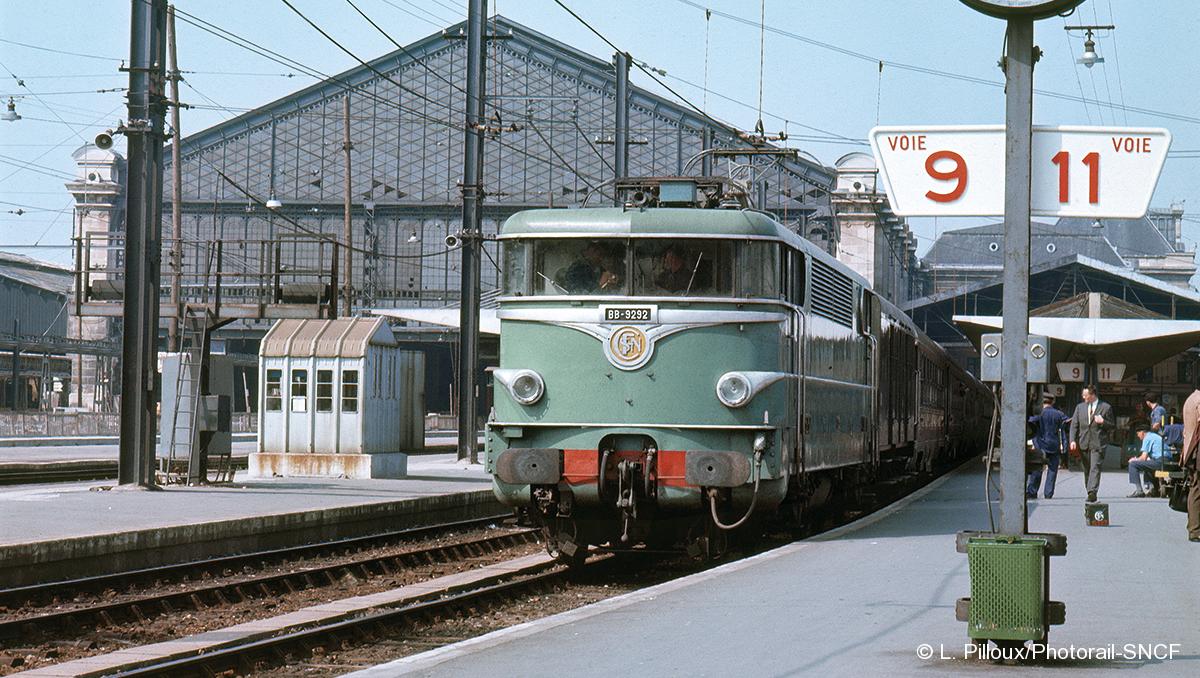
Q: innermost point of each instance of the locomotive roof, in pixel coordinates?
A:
(600, 222)
(616, 221)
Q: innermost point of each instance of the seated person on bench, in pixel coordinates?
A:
(1172, 441)
(1142, 467)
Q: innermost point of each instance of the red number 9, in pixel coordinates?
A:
(959, 174)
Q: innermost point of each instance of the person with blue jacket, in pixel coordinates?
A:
(1049, 424)
(1143, 466)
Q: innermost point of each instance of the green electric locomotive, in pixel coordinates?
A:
(668, 373)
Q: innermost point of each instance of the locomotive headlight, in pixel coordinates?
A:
(734, 389)
(525, 386)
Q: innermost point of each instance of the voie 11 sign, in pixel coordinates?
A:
(1076, 172)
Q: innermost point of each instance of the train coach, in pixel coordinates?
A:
(668, 373)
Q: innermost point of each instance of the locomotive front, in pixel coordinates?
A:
(645, 388)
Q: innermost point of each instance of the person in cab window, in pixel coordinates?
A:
(674, 276)
(594, 271)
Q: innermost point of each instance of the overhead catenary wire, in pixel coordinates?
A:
(731, 129)
(437, 20)
(21, 83)
(245, 43)
(56, 146)
(1079, 82)
(938, 72)
(1117, 63)
(60, 51)
(260, 202)
(404, 50)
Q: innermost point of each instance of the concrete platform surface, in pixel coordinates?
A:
(59, 531)
(876, 598)
(62, 510)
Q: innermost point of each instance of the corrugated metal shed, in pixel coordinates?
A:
(36, 273)
(342, 338)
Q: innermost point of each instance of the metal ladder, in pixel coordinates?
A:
(193, 333)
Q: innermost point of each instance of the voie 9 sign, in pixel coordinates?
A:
(1076, 171)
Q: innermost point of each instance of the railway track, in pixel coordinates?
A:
(36, 473)
(435, 615)
(271, 652)
(143, 607)
(41, 594)
(57, 472)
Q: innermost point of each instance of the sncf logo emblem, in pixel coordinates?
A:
(628, 347)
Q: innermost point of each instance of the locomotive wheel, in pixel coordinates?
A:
(561, 535)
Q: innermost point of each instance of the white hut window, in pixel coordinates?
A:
(274, 390)
(324, 390)
(299, 390)
(349, 390)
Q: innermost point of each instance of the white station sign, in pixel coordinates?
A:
(1096, 172)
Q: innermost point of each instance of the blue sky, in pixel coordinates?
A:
(1153, 49)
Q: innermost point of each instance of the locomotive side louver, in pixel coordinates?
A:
(832, 294)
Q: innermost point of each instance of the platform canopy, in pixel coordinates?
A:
(1138, 343)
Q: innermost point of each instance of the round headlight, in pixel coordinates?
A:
(733, 389)
(527, 387)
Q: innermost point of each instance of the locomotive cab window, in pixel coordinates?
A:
(579, 266)
(653, 267)
(516, 268)
(683, 267)
(758, 269)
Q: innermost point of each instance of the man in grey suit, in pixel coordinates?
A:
(1090, 425)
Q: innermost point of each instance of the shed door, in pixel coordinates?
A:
(325, 424)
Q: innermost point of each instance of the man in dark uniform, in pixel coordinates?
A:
(592, 273)
(1049, 423)
(1188, 462)
(1090, 426)
(674, 276)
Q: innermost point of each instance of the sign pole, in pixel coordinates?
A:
(1018, 156)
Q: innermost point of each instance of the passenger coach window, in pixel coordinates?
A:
(683, 267)
(579, 266)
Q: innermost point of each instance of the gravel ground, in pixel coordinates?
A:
(604, 580)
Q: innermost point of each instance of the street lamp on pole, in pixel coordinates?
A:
(1090, 57)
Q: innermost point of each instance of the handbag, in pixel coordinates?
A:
(1177, 499)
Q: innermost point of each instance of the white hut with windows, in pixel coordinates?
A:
(338, 398)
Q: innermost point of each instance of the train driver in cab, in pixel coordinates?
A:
(596, 270)
(674, 276)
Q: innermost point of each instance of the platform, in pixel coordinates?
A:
(868, 597)
(62, 530)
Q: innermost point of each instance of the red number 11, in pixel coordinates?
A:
(1092, 160)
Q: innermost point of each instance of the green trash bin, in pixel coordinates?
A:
(1008, 597)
